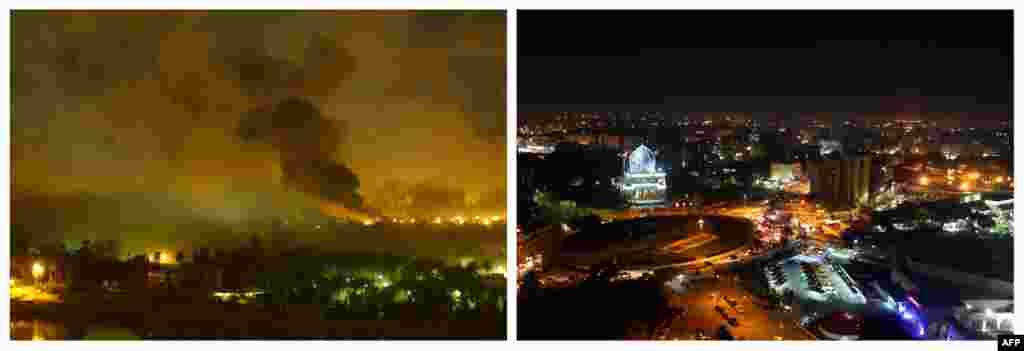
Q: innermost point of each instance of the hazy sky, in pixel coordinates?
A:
(223, 117)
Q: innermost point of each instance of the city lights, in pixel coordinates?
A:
(818, 220)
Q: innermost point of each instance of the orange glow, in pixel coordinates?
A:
(923, 180)
(339, 211)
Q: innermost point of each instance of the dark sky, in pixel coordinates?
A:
(133, 122)
(833, 61)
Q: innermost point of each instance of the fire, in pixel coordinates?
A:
(344, 212)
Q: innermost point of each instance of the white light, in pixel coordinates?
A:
(38, 270)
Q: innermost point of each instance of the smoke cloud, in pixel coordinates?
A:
(230, 116)
(306, 142)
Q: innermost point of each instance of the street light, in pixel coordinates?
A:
(37, 271)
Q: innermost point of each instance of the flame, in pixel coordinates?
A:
(338, 211)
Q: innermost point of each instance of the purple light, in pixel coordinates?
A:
(907, 316)
(920, 331)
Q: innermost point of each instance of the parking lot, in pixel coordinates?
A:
(795, 281)
(755, 323)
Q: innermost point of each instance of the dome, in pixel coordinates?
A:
(641, 161)
(842, 326)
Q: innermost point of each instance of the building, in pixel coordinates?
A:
(841, 183)
(979, 319)
(643, 183)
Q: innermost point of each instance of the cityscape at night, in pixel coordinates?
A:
(773, 175)
(226, 175)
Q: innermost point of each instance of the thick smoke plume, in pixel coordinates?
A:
(306, 142)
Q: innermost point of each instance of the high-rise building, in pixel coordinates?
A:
(841, 183)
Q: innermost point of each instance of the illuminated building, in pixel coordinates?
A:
(643, 183)
(841, 184)
(980, 319)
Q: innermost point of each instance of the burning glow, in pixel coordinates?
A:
(923, 180)
(964, 186)
(339, 211)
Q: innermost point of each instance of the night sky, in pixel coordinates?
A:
(778, 61)
(159, 125)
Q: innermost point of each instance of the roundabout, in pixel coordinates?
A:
(660, 241)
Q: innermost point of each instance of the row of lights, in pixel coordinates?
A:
(460, 220)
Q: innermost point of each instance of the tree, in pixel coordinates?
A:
(108, 249)
(758, 152)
